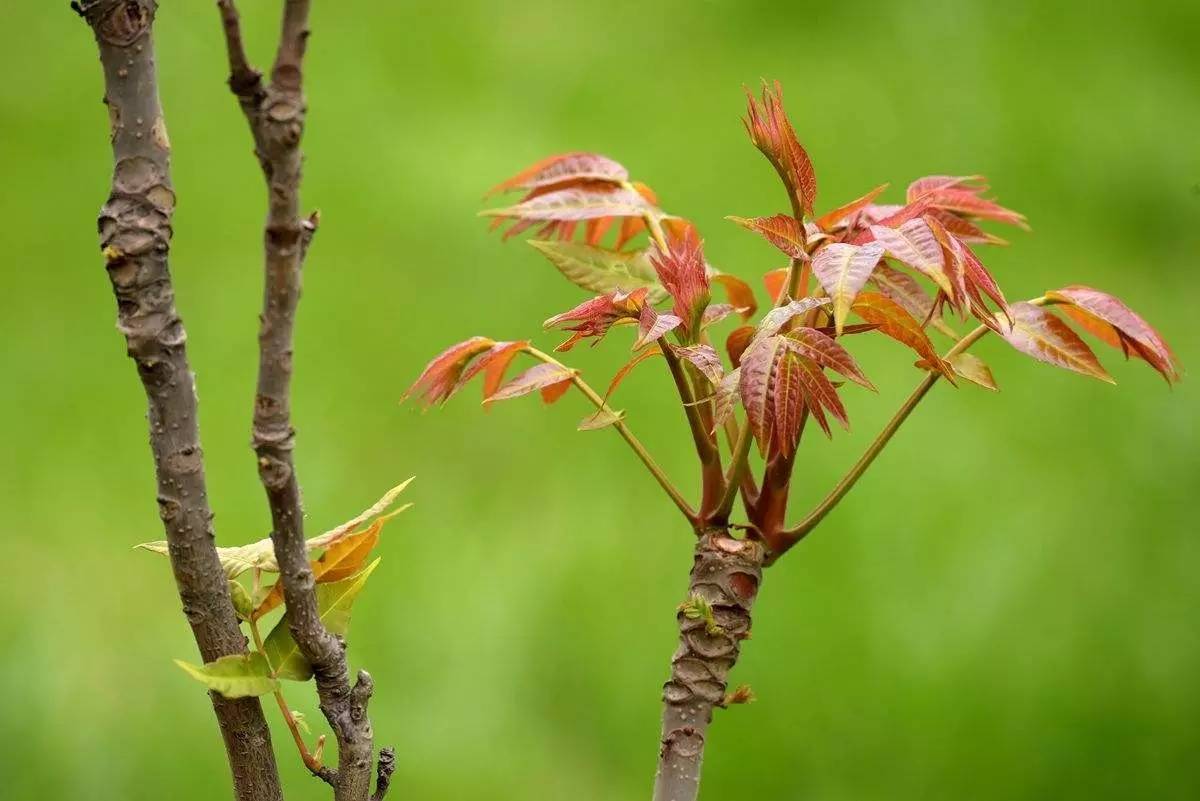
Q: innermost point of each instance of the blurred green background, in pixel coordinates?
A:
(1006, 607)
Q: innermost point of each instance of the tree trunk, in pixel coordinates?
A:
(135, 234)
(713, 621)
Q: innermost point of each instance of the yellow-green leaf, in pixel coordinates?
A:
(242, 604)
(261, 555)
(333, 607)
(234, 676)
(600, 270)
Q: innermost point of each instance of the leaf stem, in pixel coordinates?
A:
(791, 536)
(625, 433)
(311, 762)
(713, 480)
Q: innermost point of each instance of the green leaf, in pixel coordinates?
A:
(242, 603)
(234, 676)
(600, 270)
(333, 607)
(601, 419)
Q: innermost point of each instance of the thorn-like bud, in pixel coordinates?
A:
(697, 608)
(742, 695)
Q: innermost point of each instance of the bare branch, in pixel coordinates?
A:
(276, 115)
(135, 235)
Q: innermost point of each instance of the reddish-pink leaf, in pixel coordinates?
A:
(725, 394)
(736, 343)
(756, 384)
(716, 312)
(820, 394)
(921, 187)
(964, 230)
(552, 392)
(898, 324)
(904, 289)
(495, 361)
(704, 358)
(775, 281)
(627, 368)
(914, 244)
(772, 133)
(788, 400)
(740, 295)
(1038, 333)
(681, 271)
(439, 380)
(961, 196)
(830, 220)
(562, 168)
(781, 230)
(825, 351)
(843, 270)
(1130, 327)
(652, 326)
(774, 320)
(594, 317)
(533, 379)
(575, 203)
(978, 278)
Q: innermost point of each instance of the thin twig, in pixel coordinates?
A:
(625, 433)
(276, 117)
(791, 536)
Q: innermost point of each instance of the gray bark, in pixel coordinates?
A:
(275, 112)
(135, 235)
(726, 574)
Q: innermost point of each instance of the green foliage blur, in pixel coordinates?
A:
(1006, 606)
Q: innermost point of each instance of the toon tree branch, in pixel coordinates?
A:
(135, 235)
(791, 536)
(275, 113)
(713, 620)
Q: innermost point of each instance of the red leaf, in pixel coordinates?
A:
(1037, 333)
(535, 378)
(978, 277)
(775, 281)
(495, 362)
(772, 133)
(627, 368)
(777, 318)
(439, 380)
(740, 295)
(843, 270)
(898, 324)
(716, 312)
(561, 208)
(914, 244)
(788, 397)
(552, 392)
(594, 317)
(652, 326)
(737, 342)
(1128, 325)
(961, 196)
(704, 358)
(831, 219)
(725, 394)
(825, 351)
(820, 394)
(681, 270)
(781, 230)
(562, 168)
(756, 384)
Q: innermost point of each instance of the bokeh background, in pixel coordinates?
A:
(1006, 607)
